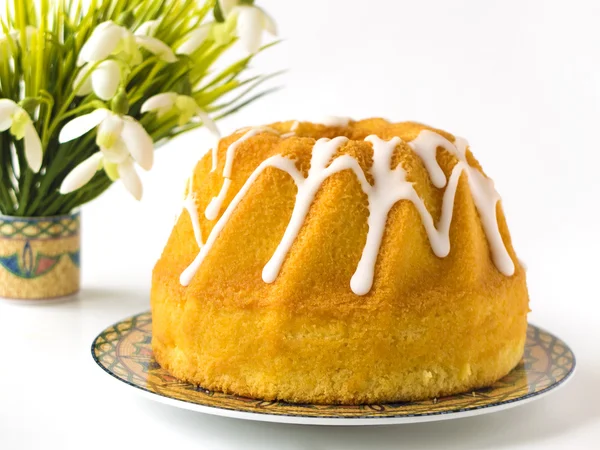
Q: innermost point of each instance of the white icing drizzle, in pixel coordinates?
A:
(214, 207)
(295, 125)
(319, 171)
(189, 205)
(482, 189)
(215, 149)
(389, 187)
(425, 145)
(279, 162)
(334, 121)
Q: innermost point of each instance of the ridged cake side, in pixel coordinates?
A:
(429, 326)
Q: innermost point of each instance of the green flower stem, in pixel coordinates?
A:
(50, 182)
(163, 130)
(25, 191)
(62, 111)
(184, 11)
(49, 106)
(6, 184)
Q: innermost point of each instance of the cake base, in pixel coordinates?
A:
(315, 358)
(406, 386)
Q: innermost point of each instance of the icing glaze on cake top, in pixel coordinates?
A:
(389, 187)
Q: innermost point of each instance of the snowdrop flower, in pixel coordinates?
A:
(227, 6)
(185, 106)
(15, 118)
(104, 80)
(148, 28)
(108, 39)
(194, 39)
(251, 21)
(122, 142)
(112, 40)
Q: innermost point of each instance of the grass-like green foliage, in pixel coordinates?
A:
(38, 71)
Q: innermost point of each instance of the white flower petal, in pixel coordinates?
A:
(148, 28)
(33, 148)
(196, 37)
(102, 43)
(82, 124)
(160, 102)
(106, 79)
(109, 130)
(105, 25)
(208, 123)
(138, 142)
(7, 109)
(227, 6)
(116, 153)
(268, 23)
(130, 178)
(157, 47)
(249, 27)
(85, 88)
(5, 123)
(81, 174)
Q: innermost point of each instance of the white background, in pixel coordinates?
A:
(518, 78)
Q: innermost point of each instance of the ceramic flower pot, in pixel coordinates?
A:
(39, 256)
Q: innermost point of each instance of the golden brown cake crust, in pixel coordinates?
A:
(429, 326)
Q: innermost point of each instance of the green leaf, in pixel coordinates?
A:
(258, 81)
(236, 108)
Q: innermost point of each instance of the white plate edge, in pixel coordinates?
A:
(332, 421)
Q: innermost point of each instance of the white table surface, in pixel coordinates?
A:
(518, 78)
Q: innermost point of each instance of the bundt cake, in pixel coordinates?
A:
(344, 262)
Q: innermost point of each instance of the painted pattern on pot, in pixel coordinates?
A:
(39, 256)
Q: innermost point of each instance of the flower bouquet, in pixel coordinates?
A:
(87, 90)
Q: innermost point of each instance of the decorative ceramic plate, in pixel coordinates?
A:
(124, 351)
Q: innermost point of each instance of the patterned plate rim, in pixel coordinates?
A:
(332, 419)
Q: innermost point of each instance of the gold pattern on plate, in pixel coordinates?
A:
(124, 351)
